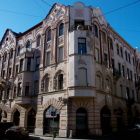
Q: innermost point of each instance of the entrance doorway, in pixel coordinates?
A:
(51, 120)
(81, 122)
(31, 120)
(16, 117)
(105, 120)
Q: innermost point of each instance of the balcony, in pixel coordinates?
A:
(80, 27)
(27, 51)
(23, 100)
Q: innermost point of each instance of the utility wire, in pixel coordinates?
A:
(46, 3)
(38, 4)
(122, 7)
(18, 13)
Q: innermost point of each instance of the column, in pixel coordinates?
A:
(63, 121)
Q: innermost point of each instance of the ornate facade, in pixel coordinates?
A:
(71, 73)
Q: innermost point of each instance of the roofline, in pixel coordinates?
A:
(30, 29)
(114, 31)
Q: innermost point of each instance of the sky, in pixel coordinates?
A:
(20, 15)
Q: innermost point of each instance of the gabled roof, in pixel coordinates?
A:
(7, 30)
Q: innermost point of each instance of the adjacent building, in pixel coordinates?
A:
(72, 73)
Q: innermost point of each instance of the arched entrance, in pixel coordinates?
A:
(51, 120)
(31, 120)
(81, 122)
(16, 117)
(105, 115)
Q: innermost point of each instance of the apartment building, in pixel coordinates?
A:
(72, 73)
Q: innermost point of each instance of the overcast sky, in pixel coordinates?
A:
(19, 15)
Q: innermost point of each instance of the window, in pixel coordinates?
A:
(126, 55)
(27, 88)
(82, 46)
(113, 63)
(37, 63)
(28, 64)
(104, 37)
(105, 59)
(119, 67)
(121, 50)
(15, 93)
(7, 94)
(60, 53)
(18, 51)
(121, 90)
(96, 30)
(48, 34)
(61, 29)
(3, 73)
(128, 74)
(38, 43)
(82, 74)
(9, 72)
(133, 94)
(46, 83)
(5, 57)
(60, 81)
(129, 59)
(28, 44)
(21, 65)
(131, 75)
(19, 89)
(48, 58)
(11, 54)
(36, 86)
(16, 70)
(123, 71)
(118, 50)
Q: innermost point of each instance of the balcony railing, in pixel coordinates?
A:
(80, 27)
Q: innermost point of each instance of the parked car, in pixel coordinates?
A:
(16, 132)
(4, 126)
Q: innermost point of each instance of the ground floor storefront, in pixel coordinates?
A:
(81, 116)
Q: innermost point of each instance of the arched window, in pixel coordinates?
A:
(28, 44)
(59, 81)
(38, 43)
(45, 83)
(96, 30)
(48, 34)
(61, 29)
(82, 74)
